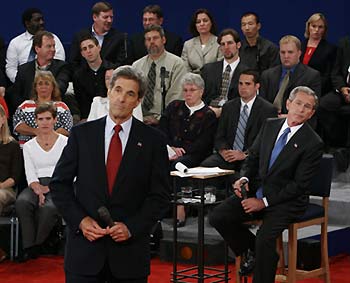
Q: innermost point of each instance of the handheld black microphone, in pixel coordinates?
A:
(105, 216)
(243, 190)
(162, 77)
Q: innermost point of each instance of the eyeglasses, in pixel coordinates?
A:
(190, 90)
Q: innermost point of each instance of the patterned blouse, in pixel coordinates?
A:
(25, 114)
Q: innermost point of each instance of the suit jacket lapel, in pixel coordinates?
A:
(236, 107)
(208, 46)
(98, 149)
(132, 150)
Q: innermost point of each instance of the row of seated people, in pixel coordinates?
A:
(205, 49)
(190, 128)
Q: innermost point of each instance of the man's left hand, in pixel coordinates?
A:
(252, 205)
(119, 232)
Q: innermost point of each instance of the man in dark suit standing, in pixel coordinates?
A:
(121, 164)
(240, 121)
(278, 169)
(221, 77)
(152, 15)
(277, 82)
(113, 43)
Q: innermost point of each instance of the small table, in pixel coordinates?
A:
(177, 276)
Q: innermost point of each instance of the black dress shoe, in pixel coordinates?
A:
(247, 263)
(29, 253)
(181, 223)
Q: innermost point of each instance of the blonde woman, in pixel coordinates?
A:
(317, 52)
(10, 166)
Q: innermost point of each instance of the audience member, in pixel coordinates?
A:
(277, 177)
(203, 47)
(277, 82)
(89, 78)
(152, 15)
(10, 163)
(45, 89)
(10, 167)
(113, 43)
(256, 52)
(100, 104)
(36, 212)
(221, 78)
(3, 80)
(189, 127)
(334, 108)
(317, 52)
(20, 48)
(240, 122)
(164, 70)
(44, 47)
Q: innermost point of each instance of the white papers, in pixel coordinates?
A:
(199, 171)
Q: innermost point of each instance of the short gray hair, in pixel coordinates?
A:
(306, 90)
(157, 28)
(130, 73)
(194, 79)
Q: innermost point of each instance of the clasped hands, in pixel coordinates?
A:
(232, 155)
(40, 191)
(249, 205)
(92, 231)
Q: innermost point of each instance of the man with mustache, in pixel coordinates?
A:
(159, 59)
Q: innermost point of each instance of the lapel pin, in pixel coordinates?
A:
(295, 145)
(139, 144)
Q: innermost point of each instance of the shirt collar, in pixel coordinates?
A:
(28, 35)
(195, 108)
(284, 70)
(249, 104)
(233, 65)
(110, 124)
(95, 34)
(293, 129)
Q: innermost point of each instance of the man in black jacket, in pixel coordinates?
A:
(113, 43)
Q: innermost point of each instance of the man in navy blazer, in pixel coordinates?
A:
(139, 197)
(277, 187)
(212, 73)
(259, 110)
(300, 74)
(113, 43)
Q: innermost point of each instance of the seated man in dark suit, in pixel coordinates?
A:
(89, 78)
(277, 82)
(44, 47)
(334, 111)
(239, 124)
(221, 77)
(152, 15)
(113, 43)
(279, 169)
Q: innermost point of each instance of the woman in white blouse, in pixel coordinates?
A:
(36, 211)
(203, 47)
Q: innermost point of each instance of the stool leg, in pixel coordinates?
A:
(12, 238)
(17, 236)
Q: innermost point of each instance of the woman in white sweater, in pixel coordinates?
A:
(36, 211)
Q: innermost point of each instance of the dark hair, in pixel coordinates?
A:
(154, 9)
(46, 107)
(88, 37)
(38, 38)
(27, 15)
(193, 30)
(251, 72)
(101, 7)
(229, 31)
(157, 28)
(257, 19)
(130, 73)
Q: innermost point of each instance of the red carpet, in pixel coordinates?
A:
(50, 270)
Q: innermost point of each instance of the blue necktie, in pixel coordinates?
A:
(238, 144)
(281, 142)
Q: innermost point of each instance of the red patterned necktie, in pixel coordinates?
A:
(114, 158)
